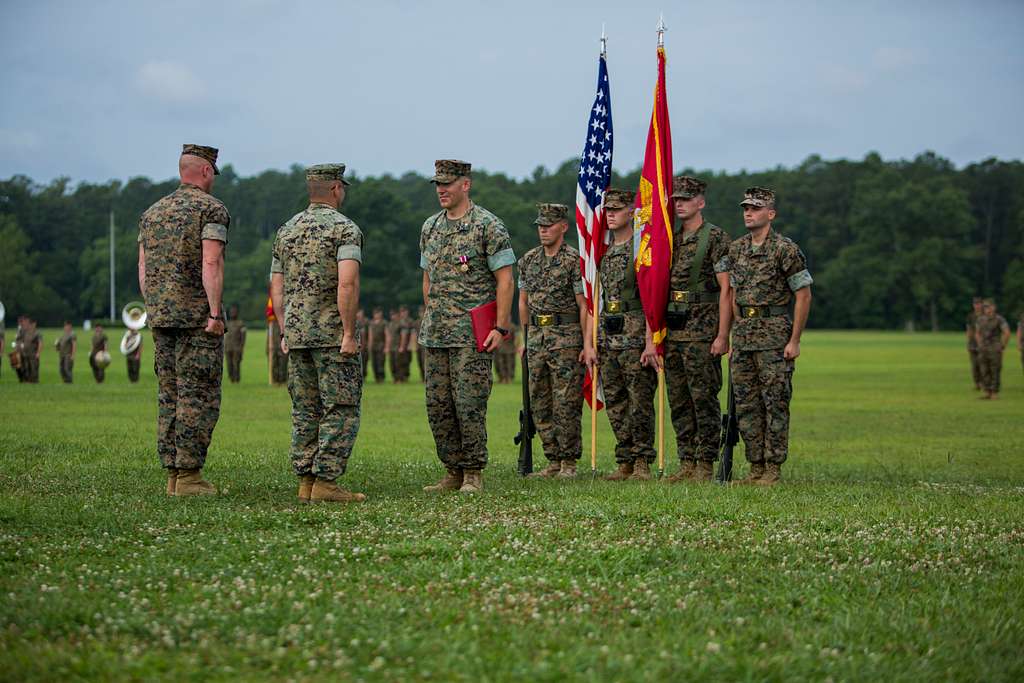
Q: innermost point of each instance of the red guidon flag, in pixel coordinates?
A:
(652, 222)
(270, 309)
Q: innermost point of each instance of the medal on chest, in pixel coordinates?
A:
(464, 263)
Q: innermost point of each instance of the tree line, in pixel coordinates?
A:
(891, 244)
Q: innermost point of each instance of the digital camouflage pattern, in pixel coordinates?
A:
(327, 172)
(65, 346)
(171, 233)
(458, 384)
(615, 198)
(614, 271)
(460, 257)
(758, 196)
(687, 187)
(450, 170)
(306, 252)
(203, 152)
(551, 285)
(991, 329)
(763, 386)
(377, 350)
(549, 214)
(764, 276)
(326, 389)
(693, 379)
(278, 358)
(702, 324)
(556, 399)
(189, 364)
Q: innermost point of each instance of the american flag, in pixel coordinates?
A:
(594, 178)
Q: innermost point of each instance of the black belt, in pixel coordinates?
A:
(617, 306)
(684, 297)
(545, 319)
(748, 311)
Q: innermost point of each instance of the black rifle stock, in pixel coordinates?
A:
(524, 439)
(730, 436)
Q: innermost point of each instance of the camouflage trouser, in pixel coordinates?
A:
(98, 373)
(419, 362)
(189, 364)
(326, 389)
(556, 401)
(404, 363)
(67, 365)
(364, 357)
(396, 371)
(458, 384)
(31, 366)
(505, 365)
(133, 368)
(763, 385)
(629, 401)
(693, 378)
(990, 362)
(975, 367)
(234, 359)
(279, 367)
(377, 356)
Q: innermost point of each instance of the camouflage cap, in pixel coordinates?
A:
(327, 172)
(450, 170)
(687, 187)
(549, 214)
(203, 152)
(758, 196)
(618, 199)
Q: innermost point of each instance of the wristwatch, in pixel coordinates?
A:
(504, 332)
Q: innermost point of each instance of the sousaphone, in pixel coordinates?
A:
(134, 317)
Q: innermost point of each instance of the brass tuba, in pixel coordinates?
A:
(134, 317)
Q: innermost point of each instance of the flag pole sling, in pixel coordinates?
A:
(593, 380)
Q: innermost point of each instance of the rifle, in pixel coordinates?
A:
(524, 439)
(730, 436)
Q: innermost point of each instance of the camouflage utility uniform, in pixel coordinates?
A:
(394, 338)
(621, 335)
(30, 356)
(234, 345)
(134, 359)
(459, 257)
(553, 343)
(278, 358)
(378, 352)
(188, 361)
(65, 351)
(972, 348)
(99, 343)
(406, 333)
(505, 357)
(325, 385)
(991, 329)
(764, 279)
(363, 326)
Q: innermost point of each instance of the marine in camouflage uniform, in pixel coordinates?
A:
(972, 341)
(66, 347)
(180, 236)
(393, 337)
(1020, 338)
(277, 357)
(698, 332)
(314, 286)
(134, 359)
(19, 348)
(628, 384)
(33, 345)
(505, 357)
(99, 343)
(405, 337)
(363, 326)
(553, 311)
(766, 272)
(3, 344)
(378, 344)
(992, 333)
(234, 345)
(416, 342)
(467, 258)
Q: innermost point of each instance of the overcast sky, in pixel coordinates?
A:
(110, 89)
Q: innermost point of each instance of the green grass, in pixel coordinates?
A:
(894, 551)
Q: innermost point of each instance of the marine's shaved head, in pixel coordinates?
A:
(196, 170)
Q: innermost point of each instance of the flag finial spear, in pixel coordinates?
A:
(661, 31)
(604, 41)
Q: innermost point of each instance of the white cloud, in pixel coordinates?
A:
(896, 58)
(170, 81)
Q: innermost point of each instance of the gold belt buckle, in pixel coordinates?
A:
(614, 306)
(750, 312)
(680, 297)
(545, 320)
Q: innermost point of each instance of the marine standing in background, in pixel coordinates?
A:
(505, 356)
(1020, 338)
(416, 341)
(553, 311)
(234, 344)
(766, 272)
(993, 334)
(623, 344)
(3, 345)
(181, 276)
(277, 357)
(406, 337)
(392, 338)
(972, 341)
(99, 343)
(67, 346)
(134, 358)
(698, 318)
(314, 284)
(33, 349)
(378, 337)
(363, 327)
(19, 348)
(467, 258)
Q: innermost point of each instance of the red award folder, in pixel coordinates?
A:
(484, 317)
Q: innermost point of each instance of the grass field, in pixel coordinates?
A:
(894, 551)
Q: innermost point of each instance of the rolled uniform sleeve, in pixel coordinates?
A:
(499, 247)
(794, 267)
(216, 226)
(720, 253)
(275, 260)
(577, 285)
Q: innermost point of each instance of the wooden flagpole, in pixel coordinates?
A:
(593, 380)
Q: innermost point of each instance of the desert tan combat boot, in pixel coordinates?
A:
(306, 482)
(472, 481)
(771, 476)
(451, 481)
(704, 471)
(755, 474)
(641, 470)
(172, 480)
(624, 472)
(191, 483)
(328, 492)
(685, 472)
(568, 470)
(553, 468)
